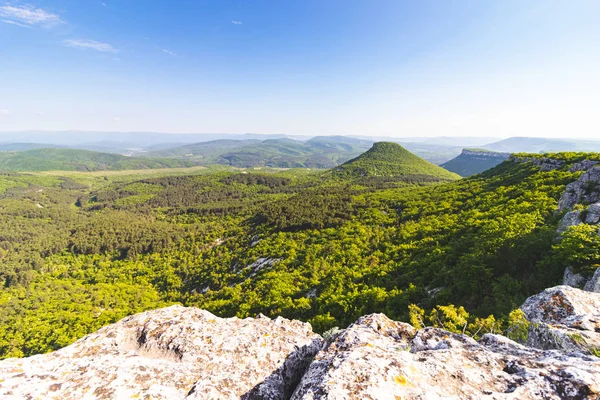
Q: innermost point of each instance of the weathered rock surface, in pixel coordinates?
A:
(570, 278)
(593, 214)
(376, 358)
(170, 353)
(564, 318)
(593, 285)
(583, 165)
(187, 353)
(586, 189)
(544, 163)
(572, 218)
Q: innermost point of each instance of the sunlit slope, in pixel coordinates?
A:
(79, 160)
(386, 159)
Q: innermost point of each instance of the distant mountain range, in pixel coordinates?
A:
(255, 150)
(80, 160)
(318, 152)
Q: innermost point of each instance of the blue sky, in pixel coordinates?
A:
(380, 67)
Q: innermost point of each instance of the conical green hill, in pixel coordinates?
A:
(387, 159)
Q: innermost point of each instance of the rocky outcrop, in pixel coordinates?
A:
(573, 279)
(485, 154)
(187, 353)
(593, 214)
(376, 358)
(593, 285)
(564, 318)
(544, 163)
(583, 165)
(572, 218)
(170, 353)
(586, 190)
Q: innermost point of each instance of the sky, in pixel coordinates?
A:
(494, 68)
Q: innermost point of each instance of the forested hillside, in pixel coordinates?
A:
(48, 159)
(79, 251)
(318, 152)
(387, 159)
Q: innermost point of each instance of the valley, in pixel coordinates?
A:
(81, 250)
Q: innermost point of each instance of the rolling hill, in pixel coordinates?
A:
(318, 152)
(80, 160)
(474, 161)
(10, 146)
(390, 160)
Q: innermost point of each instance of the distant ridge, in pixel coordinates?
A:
(474, 161)
(318, 152)
(542, 145)
(388, 159)
(79, 160)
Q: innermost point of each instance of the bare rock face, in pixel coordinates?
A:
(570, 278)
(545, 164)
(170, 353)
(593, 285)
(376, 358)
(586, 189)
(572, 218)
(583, 165)
(593, 214)
(564, 318)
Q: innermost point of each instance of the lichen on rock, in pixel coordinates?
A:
(564, 318)
(170, 353)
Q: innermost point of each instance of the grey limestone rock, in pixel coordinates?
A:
(572, 279)
(564, 318)
(376, 358)
(586, 189)
(187, 353)
(593, 285)
(170, 353)
(572, 218)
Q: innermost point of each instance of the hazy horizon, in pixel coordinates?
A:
(365, 69)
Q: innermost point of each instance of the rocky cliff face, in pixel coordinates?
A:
(187, 353)
(484, 155)
(584, 193)
(586, 190)
(544, 163)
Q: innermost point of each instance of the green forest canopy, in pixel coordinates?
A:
(80, 251)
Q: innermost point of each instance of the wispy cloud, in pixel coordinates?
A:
(236, 22)
(8, 21)
(27, 16)
(117, 119)
(4, 112)
(169, 52)
(90, 45)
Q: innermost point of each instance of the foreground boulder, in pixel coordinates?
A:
(564, 318)
(376, 358)
(187, 353)
(170, 353)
